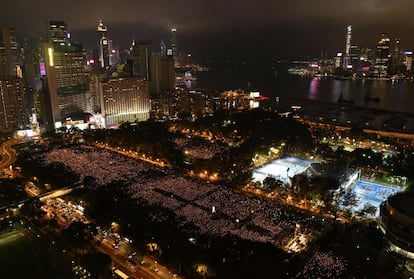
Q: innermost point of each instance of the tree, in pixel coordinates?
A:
(369, 209)
(77, 234)
(349, 200)
(98, 264)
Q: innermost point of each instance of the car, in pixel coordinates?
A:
(155, 269)
(131, 254)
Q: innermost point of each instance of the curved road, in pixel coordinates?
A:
(8, 155)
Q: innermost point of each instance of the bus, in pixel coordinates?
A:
(119, 274)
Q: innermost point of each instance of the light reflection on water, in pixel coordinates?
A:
(395, 96)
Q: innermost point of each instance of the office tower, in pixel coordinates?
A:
(66, 80)
(125, 99)
(163, 49)
(382, 56)
(174, 49)
(347, 59)
(141, 59)
(338, 60)
(9, 53)
(408, 60)
(58, 32)
(162, 74)
(104, 46)
(354, 57)
(14, 113)
(397, 55)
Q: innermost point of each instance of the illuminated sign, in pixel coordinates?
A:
(339, 54)
(50, 52)
(408, 52)
(42, 68)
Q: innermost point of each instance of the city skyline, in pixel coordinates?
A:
(279, 29)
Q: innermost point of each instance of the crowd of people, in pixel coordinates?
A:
(199, 150)
(207, 208)
(104, 166)
(323, 265)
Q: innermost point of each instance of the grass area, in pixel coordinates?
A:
(23, 257)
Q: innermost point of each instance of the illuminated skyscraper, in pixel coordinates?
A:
(174, 49)
(163, 49)
(125, 99)
(104, 45)
(348, 39)
(397, 55)
(66, 80)
(408, 60)
(58, 32)
(9, 53)
(347, 60)
(383, 56)
(14, 113)
(141, 59)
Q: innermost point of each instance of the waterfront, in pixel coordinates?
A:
(274, 81)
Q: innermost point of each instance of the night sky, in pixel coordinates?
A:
(223, 28)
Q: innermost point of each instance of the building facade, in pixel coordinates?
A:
(14, 112)
(66, 80)
(124, 99)
(397, 223)
(383, 56)
(104, 46)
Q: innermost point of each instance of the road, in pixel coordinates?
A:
(8, 155)
(139, 267)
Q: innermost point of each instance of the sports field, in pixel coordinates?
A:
(24, 257)
(281, 168)
(371, 193)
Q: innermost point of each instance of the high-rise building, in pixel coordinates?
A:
(66, 80)
(347, 59)
(104, 46)
(163, 49)
(397, 56)
(124, 99)
(58, 32)
(9, 53)
(408, 60)
(383, 56)
(14, 113)
(141, 59)
(162, 74)
(174, 48)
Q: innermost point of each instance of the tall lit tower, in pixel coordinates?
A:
(347, 59)
(14, 113)
(383, 56)
(9, 53)
(58, 32)
(348, 39)
(174, 42)
(163, 49)
(141, 58)
(397, 54)
(104, 51)
(66, 79)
